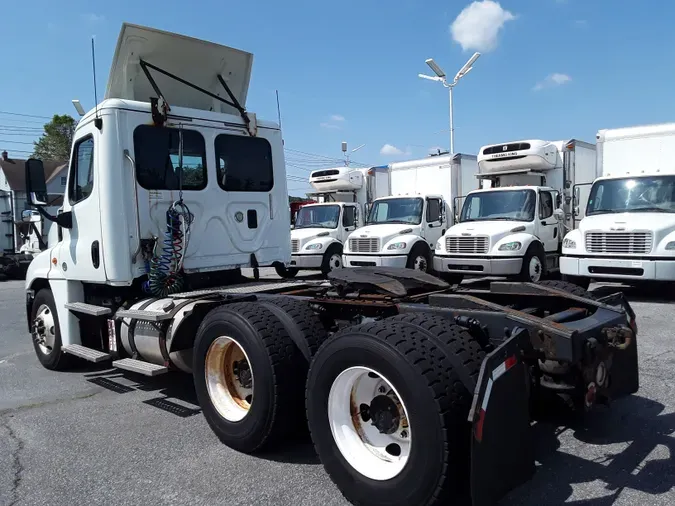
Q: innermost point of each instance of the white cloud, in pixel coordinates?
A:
(334, 122)
(391, 150)
(93, 18)
(337, 117)
(552, 80)
(477, 27)
(332, 126)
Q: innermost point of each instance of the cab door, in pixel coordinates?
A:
(433, 228)
(80, 254)
(348, 224)
(548, 224)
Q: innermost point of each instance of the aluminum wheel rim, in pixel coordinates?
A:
(229, 378)
(535, 269)
(44, 329)
(420, 263)
(335, 262)
(368, 450)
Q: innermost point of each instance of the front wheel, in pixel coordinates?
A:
(533, 266)
(332, 259)
(47, 333)
(419, 259)
(285, 272)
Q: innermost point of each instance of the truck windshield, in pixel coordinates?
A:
(396, 211)
(636, 194)
(318, 217)
(511, 205)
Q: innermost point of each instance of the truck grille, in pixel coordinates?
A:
(475, 245)
(295, 245)
(367, 245)
(618, 242)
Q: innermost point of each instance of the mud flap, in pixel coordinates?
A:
(502, 451)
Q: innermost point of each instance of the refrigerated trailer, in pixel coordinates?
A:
(414, 392)
(627, 230)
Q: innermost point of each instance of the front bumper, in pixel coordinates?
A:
(618, 268)
(374, 261)
(306, 261)
(483, 266)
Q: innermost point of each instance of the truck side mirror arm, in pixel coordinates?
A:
(64, 220)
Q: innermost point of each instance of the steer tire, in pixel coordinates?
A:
(286, 272)
(565, 286)
(435, 399)
(278, 371)
(56, 359)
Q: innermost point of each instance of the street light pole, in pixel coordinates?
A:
(442, 78)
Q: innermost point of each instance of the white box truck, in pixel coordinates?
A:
(514, 225)
(321, 229)
(402, 229)
(627, 230)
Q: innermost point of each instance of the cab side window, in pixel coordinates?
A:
(545, 205)
(433, 210)
(349, 216)
(81, 171)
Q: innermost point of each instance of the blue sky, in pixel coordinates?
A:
(550, 69)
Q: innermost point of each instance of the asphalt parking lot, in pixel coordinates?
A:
(100, 436)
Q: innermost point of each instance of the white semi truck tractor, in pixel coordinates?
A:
(402, 229)
(412, 394)
(627, 216)
(321, 229)
(514, 225)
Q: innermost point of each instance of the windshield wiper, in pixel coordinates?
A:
(651, 209)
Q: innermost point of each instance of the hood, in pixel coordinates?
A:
(382, 231)
(309, 233)
(493, 229)
(628, 222)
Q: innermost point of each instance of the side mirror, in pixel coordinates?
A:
(28, 216)
(559, 214)
(36, 186)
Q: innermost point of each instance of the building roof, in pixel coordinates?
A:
(15, 171)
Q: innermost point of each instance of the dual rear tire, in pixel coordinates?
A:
(386, 402)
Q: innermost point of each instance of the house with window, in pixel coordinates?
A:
(13, 193)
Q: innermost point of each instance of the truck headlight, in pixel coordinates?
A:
(670, 246)
(569, 243)
(315, 246)
(439, 246)
(510, 246)
(397, 245)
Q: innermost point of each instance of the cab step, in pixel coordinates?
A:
(140, 367)
(85, 353)
(88, 309)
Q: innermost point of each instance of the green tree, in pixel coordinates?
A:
(55, 143)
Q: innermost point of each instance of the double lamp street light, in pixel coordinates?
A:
(442, 78)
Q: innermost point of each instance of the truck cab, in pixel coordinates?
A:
(400, 232)
(514, 225)
(320, 230)
(318, 235)
(502, 231)
(627, 230)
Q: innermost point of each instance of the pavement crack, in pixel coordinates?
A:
(17, 466)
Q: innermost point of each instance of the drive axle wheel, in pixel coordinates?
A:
(248, 376)
(388, 417)
(376, 439)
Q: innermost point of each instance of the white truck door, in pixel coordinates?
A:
(434, 226)
(348, 224)
(548, 224)
(80, 254)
